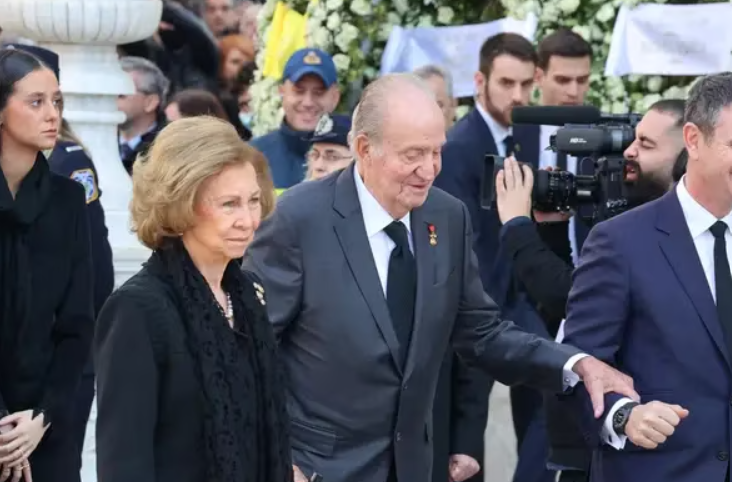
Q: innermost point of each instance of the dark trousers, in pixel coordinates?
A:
(531, 435)
(82, 409)
(573, 476)
(534, 452)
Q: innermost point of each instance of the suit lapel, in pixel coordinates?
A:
(426, 226)
(351, 233)
(679, 250)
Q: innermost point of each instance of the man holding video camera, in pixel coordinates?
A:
(541, 255)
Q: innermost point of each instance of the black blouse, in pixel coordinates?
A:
(45, 349)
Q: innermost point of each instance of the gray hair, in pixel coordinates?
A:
(707, 98)
(152, 80)
(369, 113)
(428, 71)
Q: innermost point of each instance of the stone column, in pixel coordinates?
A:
(85, 34)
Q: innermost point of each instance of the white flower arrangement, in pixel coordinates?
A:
(355, 33)
(594, 21)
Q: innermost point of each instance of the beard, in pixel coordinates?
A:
(503, 117)
(647, 186)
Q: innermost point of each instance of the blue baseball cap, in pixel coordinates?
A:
(333, 129)
(46, 56)
(310, 62)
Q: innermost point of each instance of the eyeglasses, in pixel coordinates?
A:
(327, 156)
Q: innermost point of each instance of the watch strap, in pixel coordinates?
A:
(621, 416)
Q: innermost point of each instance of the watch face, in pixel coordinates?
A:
(619, 416)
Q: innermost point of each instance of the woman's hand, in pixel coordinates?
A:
(21, 471)
(17, 444)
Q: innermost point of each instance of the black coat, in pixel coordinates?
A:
(46, 372)
(150, 413)
(70, 160)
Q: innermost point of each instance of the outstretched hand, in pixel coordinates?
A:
(600, 378)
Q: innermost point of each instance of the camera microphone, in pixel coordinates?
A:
(556, 115)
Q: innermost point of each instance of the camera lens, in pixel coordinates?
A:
(554, 191)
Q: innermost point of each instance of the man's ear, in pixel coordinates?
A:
(692, 137)
(539, 75)
(152, 103)
(479, 81)
(335, 96)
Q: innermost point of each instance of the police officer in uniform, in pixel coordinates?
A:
(69, 159)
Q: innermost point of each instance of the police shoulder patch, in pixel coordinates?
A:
(86, 178)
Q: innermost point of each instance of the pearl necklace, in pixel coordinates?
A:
(229, 311)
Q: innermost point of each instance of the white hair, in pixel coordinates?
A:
(429, 71)
(371, 109)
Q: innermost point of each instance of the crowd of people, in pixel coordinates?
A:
(328, 301)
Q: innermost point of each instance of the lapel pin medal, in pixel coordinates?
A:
(260, 293)
(433, 234)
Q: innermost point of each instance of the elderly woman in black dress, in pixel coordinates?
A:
(46, 309)
(189, 386)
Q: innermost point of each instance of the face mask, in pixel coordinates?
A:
(246, 119)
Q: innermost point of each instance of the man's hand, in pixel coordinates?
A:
(299, 476)
(513, 190)
(462, 467)
(649, 425)
(600, 378)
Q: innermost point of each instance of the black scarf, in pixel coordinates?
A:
(246, 426)
(16, 217)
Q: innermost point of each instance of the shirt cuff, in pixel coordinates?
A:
(570, 377)
(608, 433)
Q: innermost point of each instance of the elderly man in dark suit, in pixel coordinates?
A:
(369, 274)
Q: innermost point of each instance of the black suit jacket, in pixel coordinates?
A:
(141, 148)
(353, 407)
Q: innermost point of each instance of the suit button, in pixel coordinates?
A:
(407, 386)
(398, 436)
(723, 456)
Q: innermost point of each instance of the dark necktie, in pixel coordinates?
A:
(401, 286)
(125, 151)
(509, 145)
(723, 281)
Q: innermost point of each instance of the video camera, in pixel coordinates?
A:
(591, 137)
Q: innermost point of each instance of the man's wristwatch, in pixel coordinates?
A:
(621, 416)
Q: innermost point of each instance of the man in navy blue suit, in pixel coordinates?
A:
(653, 296)
(505, 79)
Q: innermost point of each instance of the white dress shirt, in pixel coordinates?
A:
(699, 221)
(498, 131)
(135, 141)
(375, 219)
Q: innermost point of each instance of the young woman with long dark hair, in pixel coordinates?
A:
(46, 290)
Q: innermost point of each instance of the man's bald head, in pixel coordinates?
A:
(387, 99)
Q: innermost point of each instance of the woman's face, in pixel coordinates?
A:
(33, 113)
(234, 60)
(228, 211)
